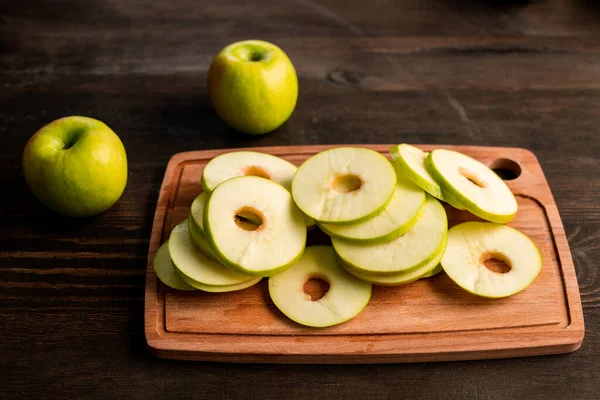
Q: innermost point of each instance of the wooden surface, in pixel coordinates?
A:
(428, 320)
(473, 72)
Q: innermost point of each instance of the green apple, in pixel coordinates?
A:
(199, 239)
(253, 226)
(430, 268)
(474, 185)
(470, 244)
(222, 288)
(346, 298)
(398, 216)
(195, 265)
(247, 163)
(253, 86)
(408, 252)
(344, 185)
(165, 270)
(76, 166)
(411, 160)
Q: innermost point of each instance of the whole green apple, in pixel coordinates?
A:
(77, 166)
(253, 86)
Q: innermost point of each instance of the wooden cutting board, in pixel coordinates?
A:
(428, 320)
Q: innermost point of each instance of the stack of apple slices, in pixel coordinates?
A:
(384, 229)
(385, 220)
(241, 228)
(467, 184)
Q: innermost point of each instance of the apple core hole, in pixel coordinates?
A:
(473, 178)
(496, 262)
(255, 170)
(506, 169)
(347, 183)
(248, 219)
(316, 286)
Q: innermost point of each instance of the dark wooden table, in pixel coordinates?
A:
(475, 72)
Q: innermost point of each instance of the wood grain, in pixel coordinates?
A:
(74, 327)
(407, 323)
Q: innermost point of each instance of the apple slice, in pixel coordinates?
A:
(344, 185)
(309, 222)
(433, 272)
(197, 225)
(471, 244)
(247, 163)
(197, 211)
(474, 185)
(429, 269)
(398, 216)
(253, 226)
(448, 198)
(194, 264)
(410, 251)
(200, 240)
(223, 288)
(411, 160)
(346, 298)
(165, 270)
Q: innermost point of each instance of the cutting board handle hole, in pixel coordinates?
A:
(506, 169)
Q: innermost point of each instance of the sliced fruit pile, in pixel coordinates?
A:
(385, 220)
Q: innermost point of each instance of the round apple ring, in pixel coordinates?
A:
(247, 163)
(253, 226)
(346, 298)
(470, 244)
(344, 185)
(473, 185)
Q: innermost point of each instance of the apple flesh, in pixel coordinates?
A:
(474, 185)
(197, 211)
(411, 160)
(413, 250)
(344, 185)
(253, 226)
(199, 239)
(402, 278)
(195, 265)
(434, 271)
(76, 166)
(165, 270)
(247, 163)
(221, 288)
(470, 244)
(346, 298)
(253, 86)
(398, 216)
